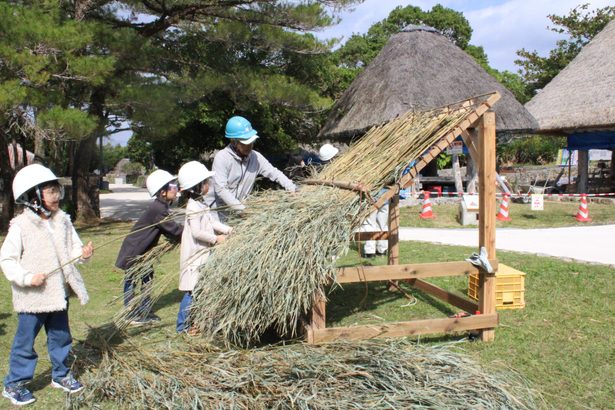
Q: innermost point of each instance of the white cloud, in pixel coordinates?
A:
(501, 26)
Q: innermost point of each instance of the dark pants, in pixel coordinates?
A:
(145, 303)
(23, 357)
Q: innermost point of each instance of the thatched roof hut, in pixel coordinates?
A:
(418, 68)
(582, 96)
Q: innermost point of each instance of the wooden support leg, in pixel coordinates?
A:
(394, 236)
(318, 319)
(487, 211)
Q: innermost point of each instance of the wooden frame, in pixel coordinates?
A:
(483, 316)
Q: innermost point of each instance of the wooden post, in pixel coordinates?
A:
(394, 237)
(487, 213)
(394, 230)
(319, 312)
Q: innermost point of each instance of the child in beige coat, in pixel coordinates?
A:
(201, 232)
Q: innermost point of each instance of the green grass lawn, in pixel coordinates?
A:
(555, 214)
(563, 342)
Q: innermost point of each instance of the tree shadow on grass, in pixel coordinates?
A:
(85, 354)
(3, 316)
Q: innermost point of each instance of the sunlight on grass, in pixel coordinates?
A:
(556, 214)
(563, 341)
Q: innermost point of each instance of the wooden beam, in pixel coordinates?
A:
(487, 211)
(401, 329)
(339, 184)
(355, 274)
(371, 236)
(437, 148)
(394, 230)
(319, 313)
(445, 295)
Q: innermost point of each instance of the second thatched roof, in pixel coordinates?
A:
(419, 68)
(582, 96)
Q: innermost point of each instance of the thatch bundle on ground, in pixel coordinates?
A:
(367, 375)
(283, 252)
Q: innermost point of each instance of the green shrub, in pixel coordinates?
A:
(534, 150)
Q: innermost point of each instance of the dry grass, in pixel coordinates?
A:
(367, 375)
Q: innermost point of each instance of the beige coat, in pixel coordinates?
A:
(198, 237)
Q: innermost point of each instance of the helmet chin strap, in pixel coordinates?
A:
(38, 208)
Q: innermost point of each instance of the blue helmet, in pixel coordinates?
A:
(239, 128)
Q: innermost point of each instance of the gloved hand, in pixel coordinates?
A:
(481, 260)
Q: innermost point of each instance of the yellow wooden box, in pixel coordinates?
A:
(509, 288)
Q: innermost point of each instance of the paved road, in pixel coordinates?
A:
(586, 243)
(593, 243)
(125, 202)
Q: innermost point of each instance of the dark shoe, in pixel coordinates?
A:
(69, 384)
(18, 394)
(153, 318)
(140, 321)
(381, 253)
(370, 255)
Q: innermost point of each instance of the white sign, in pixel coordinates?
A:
(538, 202)
(471, 202)
(456, 147)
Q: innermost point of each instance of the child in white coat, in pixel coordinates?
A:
(37, 257)
(201, 231)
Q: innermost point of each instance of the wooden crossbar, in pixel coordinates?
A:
(445, 295)
(401, 329)
(339, 184)
(371, 236)
(355, 274)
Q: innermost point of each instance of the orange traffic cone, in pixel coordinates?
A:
(503, 214)
(583, 212)
(426, 212)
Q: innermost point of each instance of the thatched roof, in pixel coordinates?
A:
(418, 68)
(582, 96)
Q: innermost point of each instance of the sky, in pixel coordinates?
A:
(501, 27)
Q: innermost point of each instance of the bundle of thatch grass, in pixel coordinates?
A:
(366, 375)
(282, 253)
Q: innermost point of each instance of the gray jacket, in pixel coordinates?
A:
(234, 178)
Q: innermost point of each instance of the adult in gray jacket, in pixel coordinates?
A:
(237, 166)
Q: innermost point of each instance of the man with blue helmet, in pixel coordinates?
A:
(237, 166)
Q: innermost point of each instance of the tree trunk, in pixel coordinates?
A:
(457, 174)
(6, 187)
(85, 196)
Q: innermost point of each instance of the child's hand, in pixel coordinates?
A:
(220, 238)
(38, 279)
(87, 251)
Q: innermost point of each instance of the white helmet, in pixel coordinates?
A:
(28, 177)
(327, 151)
(157, 180)
(191, 173)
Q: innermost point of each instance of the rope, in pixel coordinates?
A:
(171, 216)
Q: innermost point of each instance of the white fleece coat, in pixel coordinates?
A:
(43, 252)
(198, 236)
